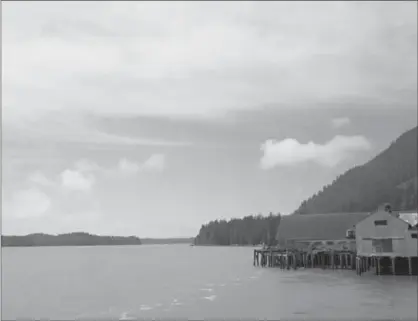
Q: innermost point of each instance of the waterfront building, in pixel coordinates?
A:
(310, 230)
(390, 239)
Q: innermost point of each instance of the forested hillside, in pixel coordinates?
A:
(149, 241)
(389, 177)
(249, 230)
(70, 239)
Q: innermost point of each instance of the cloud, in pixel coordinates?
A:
(201, 59)
(85, 165)
(340, 122)
(127, 167)
(290, 152)
(77, 181)
(38, 178)
(29, 200)
(86, 172)
(156, 162)
(71, 128)
(34, 197)
(26, 203)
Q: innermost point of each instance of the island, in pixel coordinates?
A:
(69, 239)
(85, 239)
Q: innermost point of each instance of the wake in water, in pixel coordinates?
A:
(207, 289)
(125, 316)
(210, 298)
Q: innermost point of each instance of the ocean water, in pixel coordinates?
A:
(128, 282)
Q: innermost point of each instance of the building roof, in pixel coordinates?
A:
(317, 226)
(410, 217)
(408, 211)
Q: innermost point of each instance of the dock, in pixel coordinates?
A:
(287, 259)
(294, 259)
(387, 265)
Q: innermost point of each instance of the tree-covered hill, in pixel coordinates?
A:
(390, 177)
(70, 239)
(250, 230)
(155, 241)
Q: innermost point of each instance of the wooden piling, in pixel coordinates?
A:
(410, 265)
(357, 266)
(393, 259)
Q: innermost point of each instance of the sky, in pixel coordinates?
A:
(153, 118)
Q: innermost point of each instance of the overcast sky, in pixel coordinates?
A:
(152, 118)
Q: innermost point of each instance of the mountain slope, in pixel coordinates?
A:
(390, 177)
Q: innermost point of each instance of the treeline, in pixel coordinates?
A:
(150, 241)
(389, 177)
(250, 230)
(70, 239)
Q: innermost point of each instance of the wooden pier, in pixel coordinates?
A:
(385, 265)
(293, 259)
(335, 259)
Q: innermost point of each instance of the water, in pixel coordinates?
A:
(188, 282)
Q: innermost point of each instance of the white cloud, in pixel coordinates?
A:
(69, 128)
(86, 172)
(289, 152)
(201, 59)
(85, 165)
(26, 203)
(156, 162)
(340, 122)
(39, 178)
(125, 166)
(75, 180)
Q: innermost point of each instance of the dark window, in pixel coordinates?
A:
(384, 245)
(414, 235)
(380, 222)
(387, 245)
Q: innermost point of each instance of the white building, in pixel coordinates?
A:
(386, 234)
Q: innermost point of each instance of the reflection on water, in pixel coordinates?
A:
(194, 282)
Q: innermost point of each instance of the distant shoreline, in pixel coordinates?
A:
(91, 245)
(70, 245)
(227, 245)
(83, 239)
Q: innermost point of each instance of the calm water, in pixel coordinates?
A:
(184, 281)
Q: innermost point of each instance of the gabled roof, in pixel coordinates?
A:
(408, 211)
(317, 226)
(410, 217)
(405, 216)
